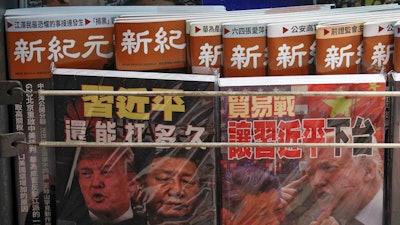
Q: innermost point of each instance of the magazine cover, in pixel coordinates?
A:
(378, 46)
(83, 40)
(302, 185)
(135, 185)
(206, 47)
(339, 48)
(291, 47)
(244, 49)
(151, 44)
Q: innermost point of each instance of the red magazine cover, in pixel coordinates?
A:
(302, 184)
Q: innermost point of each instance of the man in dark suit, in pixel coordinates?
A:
(175, 186)
(106, 183)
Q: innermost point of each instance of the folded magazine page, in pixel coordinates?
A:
(302, 185)
(135, 185)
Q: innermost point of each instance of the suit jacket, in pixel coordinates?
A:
(83, 218)
(74, 212)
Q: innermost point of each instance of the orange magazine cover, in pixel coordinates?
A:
(75, 40)
(244, 49)
(378, 46)
(291, 47)
(153, 44)
(302, 184)
(339, 48)
(206, 47)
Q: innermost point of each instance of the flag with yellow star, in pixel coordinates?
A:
(339, 106)
(328, 116)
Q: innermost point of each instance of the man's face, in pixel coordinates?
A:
(172, 184)
(335, 180)
(104, 185)
(265, 208)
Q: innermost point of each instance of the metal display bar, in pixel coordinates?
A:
(217, 144)
(220, 93)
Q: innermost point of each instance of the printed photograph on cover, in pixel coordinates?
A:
(135, 185)
(302, 185)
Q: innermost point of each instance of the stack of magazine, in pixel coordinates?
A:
(151, 70)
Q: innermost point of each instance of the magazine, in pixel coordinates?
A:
(151, 44)
(339, 48)
(301, 183)
(291, 47)
(378, 46)
(244, 49)
(169, 185)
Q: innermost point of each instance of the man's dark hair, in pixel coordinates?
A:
(246, 179)
(123, 153)
(145, 156)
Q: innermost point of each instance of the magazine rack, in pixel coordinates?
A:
(10, 143)
(10, 146)
(387, 215)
